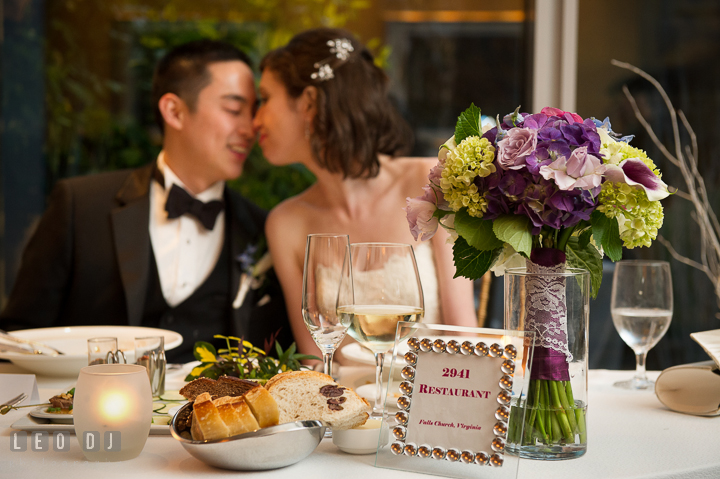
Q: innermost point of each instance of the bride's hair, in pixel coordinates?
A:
(355, 118)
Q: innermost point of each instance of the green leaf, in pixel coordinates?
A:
(515, 231)
(468, 124)
(607, 233)
(476, 231)
(586, 258)
(471, 263)
(584, 238)
(204, 352)
(198, 370)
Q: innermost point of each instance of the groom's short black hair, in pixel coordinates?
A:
(183, 70)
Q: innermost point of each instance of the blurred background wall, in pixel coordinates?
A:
(75, 81)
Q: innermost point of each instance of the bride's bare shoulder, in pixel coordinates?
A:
(413, 170)
(286, 211)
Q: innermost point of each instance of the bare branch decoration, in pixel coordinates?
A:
(685, 159)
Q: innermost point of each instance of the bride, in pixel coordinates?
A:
(324, 104)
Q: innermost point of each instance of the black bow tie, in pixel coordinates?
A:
(180, 202)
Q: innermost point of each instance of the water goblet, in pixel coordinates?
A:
(641, 307)
(379, 288)
(324, 256)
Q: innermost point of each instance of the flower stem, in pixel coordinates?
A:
(579, 413)
(563, 238)
(560, 414)
(544, 404)
(556, 433)
(567, 406)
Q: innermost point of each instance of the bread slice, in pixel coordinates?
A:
(207, 423)
(236, 415)
(263, 406)
(308, 395)
(225, 386)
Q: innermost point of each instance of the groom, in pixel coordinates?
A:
(167, 245)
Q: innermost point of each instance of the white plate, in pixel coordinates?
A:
(72, 341)
(41, 413)
(27, 423)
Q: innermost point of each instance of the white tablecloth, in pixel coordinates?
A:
(630, 435)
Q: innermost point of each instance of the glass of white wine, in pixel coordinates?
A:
(324, 256)
(641, 307)
(379, 288)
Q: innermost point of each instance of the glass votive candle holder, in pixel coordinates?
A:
(150, 353)
(104, 351)
(112, 411)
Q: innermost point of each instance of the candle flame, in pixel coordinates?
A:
(115, 405)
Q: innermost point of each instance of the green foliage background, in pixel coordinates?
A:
(99, 115)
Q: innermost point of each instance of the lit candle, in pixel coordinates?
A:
(112, 411)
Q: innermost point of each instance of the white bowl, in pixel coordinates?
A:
(363, 439)
(72, 341)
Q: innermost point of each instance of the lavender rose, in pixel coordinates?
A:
(581, 171)
(518, 144)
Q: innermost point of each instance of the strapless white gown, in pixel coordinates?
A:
(428, 278)
(368, 283)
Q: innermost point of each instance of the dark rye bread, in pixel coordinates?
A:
(224, 386)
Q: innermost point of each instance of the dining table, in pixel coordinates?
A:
(630, 435)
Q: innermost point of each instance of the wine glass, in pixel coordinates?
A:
(641, 307)
(379, 288)
(324, 256)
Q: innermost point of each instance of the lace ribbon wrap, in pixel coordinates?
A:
(546, 314)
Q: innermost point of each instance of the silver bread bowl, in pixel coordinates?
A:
(269, 448)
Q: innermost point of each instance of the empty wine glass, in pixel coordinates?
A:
(379, 288)
(324, 256)
(641, 307)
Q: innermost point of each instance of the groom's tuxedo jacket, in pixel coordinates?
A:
(89, 261)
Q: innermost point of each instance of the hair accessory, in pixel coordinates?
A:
(341, 49)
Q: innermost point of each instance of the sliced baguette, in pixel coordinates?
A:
(263, 406)
(236, 415)
(207, 423)
(308, 395)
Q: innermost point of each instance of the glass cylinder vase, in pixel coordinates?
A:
(554, 303)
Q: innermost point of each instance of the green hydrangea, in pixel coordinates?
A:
(639, 219)
(473, 157)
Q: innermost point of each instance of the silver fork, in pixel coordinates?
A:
(15, 401)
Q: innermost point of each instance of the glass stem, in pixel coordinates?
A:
(640, 366)
(379, 358)
(327, 362)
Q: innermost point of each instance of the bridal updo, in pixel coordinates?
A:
(355, 120)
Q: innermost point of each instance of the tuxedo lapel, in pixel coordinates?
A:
(130, 222)
(243, 232)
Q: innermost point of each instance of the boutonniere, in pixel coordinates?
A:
(255, 262)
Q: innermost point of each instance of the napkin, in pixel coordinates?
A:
(691, 388)
(14, 384)
(710, 342)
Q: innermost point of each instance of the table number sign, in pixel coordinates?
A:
(449, 413)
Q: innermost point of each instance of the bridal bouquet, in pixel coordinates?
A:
(550, 187)
(545, 190)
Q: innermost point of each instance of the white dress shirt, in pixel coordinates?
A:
(185, 252)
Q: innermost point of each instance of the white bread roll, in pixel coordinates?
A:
(309, 395)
